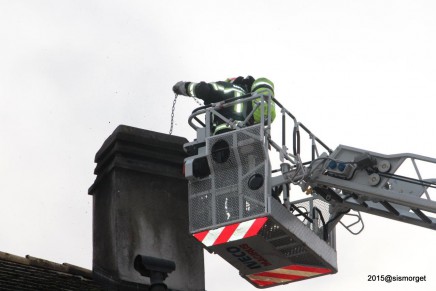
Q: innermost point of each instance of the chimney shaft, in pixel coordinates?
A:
(140, 206)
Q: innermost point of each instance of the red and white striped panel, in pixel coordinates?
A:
(286, 275)
(231, 232)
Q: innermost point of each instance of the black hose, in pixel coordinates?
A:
(324, 228)
(313, 152)
(408, 180)
(299, 142)
(302, 213)
(294, 142)
(283, 129)
(199, 121)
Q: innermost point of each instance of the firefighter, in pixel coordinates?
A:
(230, 88)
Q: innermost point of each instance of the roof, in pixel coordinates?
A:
(29, 273)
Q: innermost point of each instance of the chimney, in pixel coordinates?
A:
(140, 207)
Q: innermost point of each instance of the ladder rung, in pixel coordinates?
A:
(389, 207)
(421, 215)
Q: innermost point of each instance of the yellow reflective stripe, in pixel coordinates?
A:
(221, 127)
(264, 91)
(238, 108)
(215, 86)
(191, 88)
(238, 92)
(262, 81)
(269, 84)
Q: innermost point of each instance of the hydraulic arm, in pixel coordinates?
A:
(366, 181)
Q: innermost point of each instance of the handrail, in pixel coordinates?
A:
(261, 100)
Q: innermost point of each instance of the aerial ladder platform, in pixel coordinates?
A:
(240, 205)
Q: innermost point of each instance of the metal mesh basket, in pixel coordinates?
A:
(227, 195)
(308, 206)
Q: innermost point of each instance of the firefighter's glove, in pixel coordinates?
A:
(179, 88)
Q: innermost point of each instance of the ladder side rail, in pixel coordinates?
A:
(378, 211)
(385, 166)
(376, 194)
(373, 185)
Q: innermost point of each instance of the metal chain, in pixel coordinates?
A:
(174, 109)
(172, 113)
(198, 102)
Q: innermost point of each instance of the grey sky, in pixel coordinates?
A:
(360, 73)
